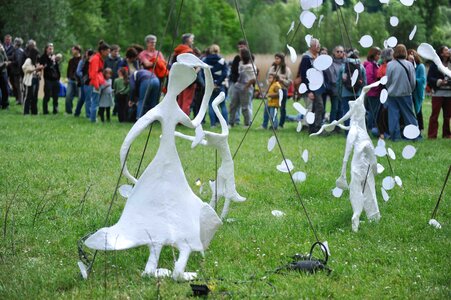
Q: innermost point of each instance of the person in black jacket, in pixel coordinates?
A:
(17, 59)
(51, 78)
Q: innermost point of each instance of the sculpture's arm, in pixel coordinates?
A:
(189, 138)
(222, 121)
(207, 95)
(137, 128)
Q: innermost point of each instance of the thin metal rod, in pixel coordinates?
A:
(441, 193)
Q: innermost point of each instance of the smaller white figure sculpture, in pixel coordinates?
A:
(427, 51)
(362, 188)
(226, 175)
(161, 208)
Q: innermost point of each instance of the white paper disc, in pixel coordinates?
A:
(308, 4)
(310, 118)
(391, 153)
(315, 77)
(293, 55)
(308, 38)
(299, 127)
(277, 213)
(307, 19)
(271, 143)
(380, 151)
(291, 28)
(384, 80)
(412, 33)
(299, 177)
(305, 155)
(394, 21)
(384, 194)
(366, 41)
(380, 168)
(302, 88)
(83, 270)
(392, 42)
(354, 77)
(340, 2)
(283, 166)
(337, 192)
(409, 152)
(298, 106)
(407, 2)
(322, 62)
(381, 143)
(398, 181)
(388, 183)
(358, 8)
(384, 1)
(280, 97)
(411, 132)
(384, 96)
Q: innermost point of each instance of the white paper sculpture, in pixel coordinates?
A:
(364, 163)
(161, 209)
(225, 185)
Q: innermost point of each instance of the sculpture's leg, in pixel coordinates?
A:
(180, 264)
(213, 194)
(225, 209)
(356, 202)
(152, 263)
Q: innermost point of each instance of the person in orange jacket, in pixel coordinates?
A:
(96, 78)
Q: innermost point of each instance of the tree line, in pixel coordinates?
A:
(124, 22)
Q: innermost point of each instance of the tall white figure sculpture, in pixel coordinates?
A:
(161, 208)
(427, 51)
(362, 188)
(225, 185)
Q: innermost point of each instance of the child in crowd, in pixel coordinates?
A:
(121, 92)
(273, 99)
(106, 96)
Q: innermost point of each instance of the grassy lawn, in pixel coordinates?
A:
(52, 160)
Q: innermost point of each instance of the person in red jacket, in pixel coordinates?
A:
(96, 78)
(185, 98)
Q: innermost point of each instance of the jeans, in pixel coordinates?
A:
(222, 105)
(71, 92)
(95, 98)
(283, 108)
(398, 106)
(373, 105)
(51, 90)
(272, 115)
(345, 106)
(336, 109)
(85, 98)
(149, 91)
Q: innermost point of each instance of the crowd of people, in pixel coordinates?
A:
(107, 84)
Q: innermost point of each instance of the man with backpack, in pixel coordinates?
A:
(351, 79)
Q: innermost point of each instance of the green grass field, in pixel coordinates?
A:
(50, 161)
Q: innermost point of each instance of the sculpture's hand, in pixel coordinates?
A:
(200, 134)
(342, 183)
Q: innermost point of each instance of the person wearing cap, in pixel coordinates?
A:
(51, 79)
(72, 80)
(185, 98)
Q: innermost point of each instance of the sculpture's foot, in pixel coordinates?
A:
(355, 224)
(375, 218)
(185, 276)
(158, 273)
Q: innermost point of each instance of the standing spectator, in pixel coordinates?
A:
(400, 85)
(130, 62)
(273, 100)
(85, 89)
(144, 91)
(106, 96)
(121, 92)
(153, 60)
(382, 121)
(219, 70)
(313, 101)
(243, 87)
(31, 69)
(441, 97)
(72, 81)
(51, 78)
(96, 78)
(185, 98)
(418, 93)
(112, 61)
(283, 73)
(372, 97)
(4, 77)
(17, 59)
(347, 91)
(9, 50)
(331, 78)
